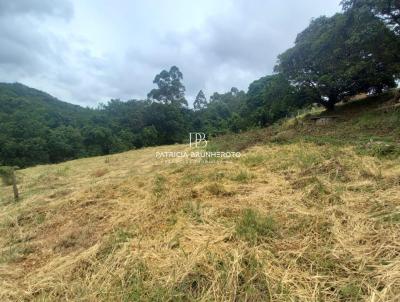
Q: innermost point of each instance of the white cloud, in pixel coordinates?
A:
(87, 52)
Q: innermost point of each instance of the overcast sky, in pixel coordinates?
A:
(89, 51)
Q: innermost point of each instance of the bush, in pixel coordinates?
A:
(6, 174)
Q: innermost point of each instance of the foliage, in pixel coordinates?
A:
(333, 59)
(387, 10)
(341, 56)
(6, 174)
(222, 114)
(271, 98)
(36, 128)
(200, 102)
(170, 89)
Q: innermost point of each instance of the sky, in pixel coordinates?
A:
(87, 52)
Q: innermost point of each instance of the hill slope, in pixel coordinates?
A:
(308, 213)
(38, 128)
(18, 98)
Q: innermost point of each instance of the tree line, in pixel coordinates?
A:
(334, 58)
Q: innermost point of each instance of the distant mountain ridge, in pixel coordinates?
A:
(19, 89)
(31, 121)
(15, 90)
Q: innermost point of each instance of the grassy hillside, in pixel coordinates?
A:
(308, 213)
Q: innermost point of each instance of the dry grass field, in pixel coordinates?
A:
(307, 213)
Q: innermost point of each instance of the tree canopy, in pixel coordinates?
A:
(200, 102)
(332, 59)
(341, 56)
(271, 98)
(387, 10)
(170, 88)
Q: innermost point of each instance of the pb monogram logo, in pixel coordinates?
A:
(197, 139)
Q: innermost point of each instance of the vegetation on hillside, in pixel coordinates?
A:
(308, 213)
(341, 56)
(333, 59)
(387, 10)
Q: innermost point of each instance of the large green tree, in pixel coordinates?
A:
(170, 88)
(387, 10)
(169, 122)
(219, 116)
(341, 56)
(271, 98)
(200, 102)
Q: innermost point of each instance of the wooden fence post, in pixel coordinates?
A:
(7, 175)
(14, 183)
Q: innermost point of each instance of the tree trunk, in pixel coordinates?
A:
(15, 188)
(330, 104)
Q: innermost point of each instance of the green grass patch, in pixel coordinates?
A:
(255, 227)
(243, 176)
(252, 282)
(350, 292)
(253, 160)
(15, 252)
(159, 185)
(191, 178)
(193, 210)
(381, 149)
(114, 242)
(234, 142)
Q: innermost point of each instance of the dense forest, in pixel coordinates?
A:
(333, 59)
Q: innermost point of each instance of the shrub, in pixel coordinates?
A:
(6, 174)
